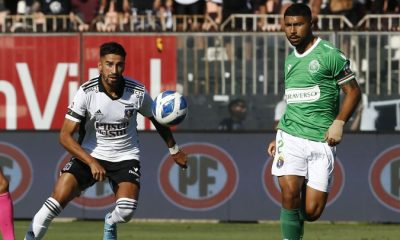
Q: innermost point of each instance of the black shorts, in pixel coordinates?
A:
(116, 172)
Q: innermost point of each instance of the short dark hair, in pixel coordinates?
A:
(112, 48)
(298, 9)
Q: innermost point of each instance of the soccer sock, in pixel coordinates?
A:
(41, 221)
(123, 212)
(6, 216)
(302, 218)
(290, 224)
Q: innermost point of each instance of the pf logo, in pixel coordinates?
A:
(384, 178)
(98, 196)
(272, 189)
(16, 167)
(209, 181)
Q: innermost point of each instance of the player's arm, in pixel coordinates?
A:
(68, 141)
(351, 100)
(177, 154)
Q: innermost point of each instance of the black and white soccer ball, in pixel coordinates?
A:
(169, 108)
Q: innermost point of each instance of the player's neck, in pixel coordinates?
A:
(113, 90)
(307, 44)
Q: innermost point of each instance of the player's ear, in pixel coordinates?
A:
(99, 66)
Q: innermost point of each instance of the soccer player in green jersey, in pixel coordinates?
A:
(305, 146)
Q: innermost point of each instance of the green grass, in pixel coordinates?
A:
(88, 230)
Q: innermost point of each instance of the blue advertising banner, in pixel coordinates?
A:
(228, 178)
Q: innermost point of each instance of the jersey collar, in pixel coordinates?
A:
(308, 50)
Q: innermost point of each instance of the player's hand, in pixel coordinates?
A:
(272, 148)
(98, 172)
(180, 158)
(335, 132)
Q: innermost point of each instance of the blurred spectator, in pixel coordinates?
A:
(382, 6)
(163, 10)
(269, 7)
(113, 15)
(22, 22)
(237, 7)
(213, 12)
(188, 7)
(58, 8)
(143, 13)
(86, 10)
(237, 114)
(3, 13)
(353, 10)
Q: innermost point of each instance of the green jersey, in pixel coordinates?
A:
(312, 88)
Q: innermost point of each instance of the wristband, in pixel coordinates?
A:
(174, 150)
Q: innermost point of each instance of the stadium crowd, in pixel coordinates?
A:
(147, 15)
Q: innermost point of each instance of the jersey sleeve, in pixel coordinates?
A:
(340, 67)
(145, 108)
(77, 109)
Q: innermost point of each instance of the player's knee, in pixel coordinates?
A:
(291, 200)
(126, 208)
(313, 214)
(313, 217)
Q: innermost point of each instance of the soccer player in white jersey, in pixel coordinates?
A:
(104, 110)
(312, 125)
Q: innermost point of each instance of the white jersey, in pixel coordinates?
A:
(108, 125)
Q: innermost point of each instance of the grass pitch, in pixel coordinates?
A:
(141, 230)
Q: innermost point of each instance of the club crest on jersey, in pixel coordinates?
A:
(129, 111)
(313, 67)
(280, 161)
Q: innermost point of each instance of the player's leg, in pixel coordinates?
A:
(75, 177)
(314, 203)
(290, 218)
(65, 190)
(320, 173)
(125, 178)
(291, 168)
(6, 209)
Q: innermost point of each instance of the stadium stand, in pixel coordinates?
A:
(242, 55)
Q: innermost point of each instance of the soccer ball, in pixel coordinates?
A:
(169, 108)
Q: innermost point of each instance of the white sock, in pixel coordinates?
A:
(41, 221)
(123, 212)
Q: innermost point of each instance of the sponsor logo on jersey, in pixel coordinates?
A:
(98, 113)
(384, 178)
(209, 181)
(313, 67)
(301, 95)
(111, 129)
(271, 185)
(16, 167)
(98, 196)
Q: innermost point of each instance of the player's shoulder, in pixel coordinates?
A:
(328, 47)
(90, 85)
(134, 84)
